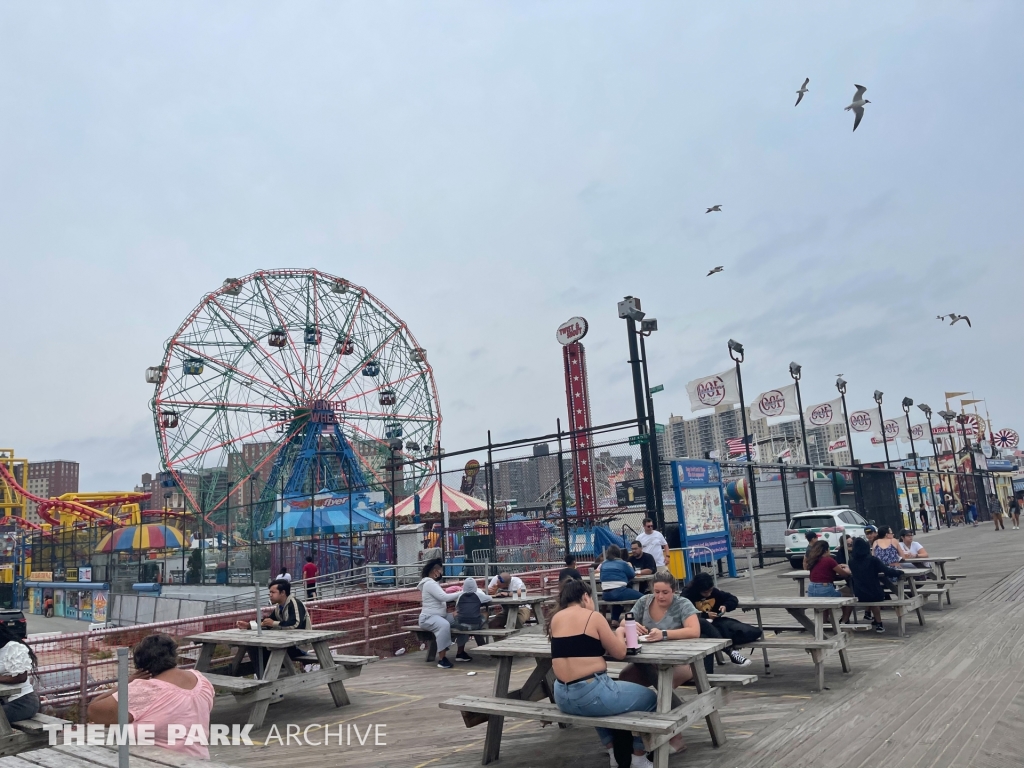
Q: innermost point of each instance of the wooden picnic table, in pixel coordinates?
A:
(819, 647)
(78, 756)
(937, 565)
(665, 655)
(279, 674)
(512, 605)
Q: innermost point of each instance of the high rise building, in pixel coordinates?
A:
(49, 479)
(697, 437)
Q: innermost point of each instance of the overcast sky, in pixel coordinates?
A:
(491, 169)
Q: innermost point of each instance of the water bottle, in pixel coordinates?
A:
(632, 644)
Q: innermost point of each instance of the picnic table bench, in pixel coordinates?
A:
(669, 719)
(940, 586)
(279, 675)
(23, 735)
(819, 647)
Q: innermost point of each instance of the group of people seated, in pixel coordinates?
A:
(581, 638)
(469, 608)
(868, 570)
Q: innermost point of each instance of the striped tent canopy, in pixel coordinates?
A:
(148, 536)
(430, 502)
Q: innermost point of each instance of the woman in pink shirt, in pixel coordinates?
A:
(161, 695)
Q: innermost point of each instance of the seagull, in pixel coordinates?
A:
(716, 208)
(802, 91)
(940, 317)
(955, 318)
(857, 105)
(713, 271)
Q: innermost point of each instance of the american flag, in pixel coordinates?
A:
(736, 446)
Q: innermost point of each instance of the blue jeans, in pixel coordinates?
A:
(822, 590)
(622, 593)
(600, 695)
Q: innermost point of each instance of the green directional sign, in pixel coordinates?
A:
(657, 389)
(639, 439)
(659, 429)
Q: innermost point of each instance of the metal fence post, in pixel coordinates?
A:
(561, 490)
(83, 680)
(785, 492)
(366, 625)
(122, 706)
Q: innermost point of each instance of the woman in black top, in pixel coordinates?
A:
(580, 639)
(866, 570)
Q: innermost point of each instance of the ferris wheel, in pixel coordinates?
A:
(290, 382)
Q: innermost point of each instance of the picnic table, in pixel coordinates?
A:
(937, 565)
(668, 720)
(512, 604)
(819, 647)
(79, 756)
(17, 737)
(279, 674)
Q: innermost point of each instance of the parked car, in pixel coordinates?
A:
(830, 523)
(15, 623)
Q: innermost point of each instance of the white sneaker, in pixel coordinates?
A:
(640, 761)
(611, 759)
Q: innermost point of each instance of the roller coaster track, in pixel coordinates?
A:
(46, 507)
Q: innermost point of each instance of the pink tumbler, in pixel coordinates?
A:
(632, 644)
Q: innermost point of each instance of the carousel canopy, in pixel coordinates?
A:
(430, 502)
(148, 536)
(331, 515)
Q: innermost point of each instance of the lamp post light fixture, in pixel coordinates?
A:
(907, 404)
(927, 411)
(854, 474)
(949, 417)
(252, 526)
(881, 426)
(736, 353)
(794, 371)
(629, 310)
(394, 464)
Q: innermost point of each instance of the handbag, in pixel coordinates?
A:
(739, 632)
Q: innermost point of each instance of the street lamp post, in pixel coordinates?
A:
(962, 421)
(629, 310)
(736, 353)
(395, 462)
(907, 404)
(794, 371)
(881, 426)
(647, 327)
(949, 416)
(931, 437)
(854, 474)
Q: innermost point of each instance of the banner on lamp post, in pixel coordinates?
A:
(865, 421)
(775, 402)
(842, 444)
(823, 414)
(713, 391)
(917, 431)
(894, 428)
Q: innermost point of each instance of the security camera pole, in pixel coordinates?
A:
(629, 310)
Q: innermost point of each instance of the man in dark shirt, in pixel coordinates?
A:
(642, 563)
(288, 613)
(569, 572)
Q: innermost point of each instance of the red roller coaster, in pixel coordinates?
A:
(46, 507)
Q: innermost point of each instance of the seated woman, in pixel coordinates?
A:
(713, 604)
(824, 570)
(885, 549)
(17, 663)
(434, 612)
(867, 586)
(580, 639)
(616, 574)
(161, 695)
(907, 547)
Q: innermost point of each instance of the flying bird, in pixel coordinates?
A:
(955, 318)
(713, 271)
(857, 105)
(802, 91)
(940, 317)
(716, 208)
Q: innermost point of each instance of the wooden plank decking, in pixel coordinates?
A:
(951, 695)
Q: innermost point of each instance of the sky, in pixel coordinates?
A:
(491, 169)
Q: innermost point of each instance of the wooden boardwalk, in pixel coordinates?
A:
(950, 695)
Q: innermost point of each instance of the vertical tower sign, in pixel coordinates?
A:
(577, 396)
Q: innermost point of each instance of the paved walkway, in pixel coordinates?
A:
(950, 695)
